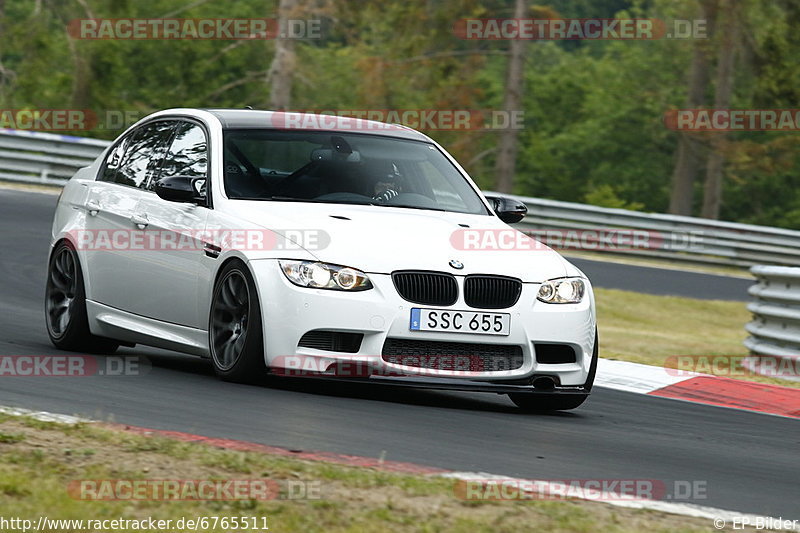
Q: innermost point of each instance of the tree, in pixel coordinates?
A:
(281, 71)
(712, 191)
(81, 97)
(506, 161)
(6, 75)
(688, 158)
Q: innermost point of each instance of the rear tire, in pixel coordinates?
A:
(235, 335)
(534, 402)
(65, 306)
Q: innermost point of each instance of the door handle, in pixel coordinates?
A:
(140, 221)
(93, 207)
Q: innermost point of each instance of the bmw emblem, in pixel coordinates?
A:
(455, 263)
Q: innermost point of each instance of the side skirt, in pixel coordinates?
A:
(109, 322)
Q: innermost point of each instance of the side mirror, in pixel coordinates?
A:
(508, 209)
(181, 189)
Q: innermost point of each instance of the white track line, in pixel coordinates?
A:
(684, 509)
(43, 416)
(635, 377)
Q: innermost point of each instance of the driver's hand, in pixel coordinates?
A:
(386, 195)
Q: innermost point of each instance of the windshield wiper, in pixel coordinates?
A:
(308, 200)
(353, 202)
(413, 207)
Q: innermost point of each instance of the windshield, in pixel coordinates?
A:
(344, 168)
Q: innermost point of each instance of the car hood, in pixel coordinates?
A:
(385, 239)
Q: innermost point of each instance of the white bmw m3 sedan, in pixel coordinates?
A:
(314, 246)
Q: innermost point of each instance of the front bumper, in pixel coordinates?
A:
(288, 312)
(451, 384)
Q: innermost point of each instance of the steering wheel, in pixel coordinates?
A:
(413, 199)
(348, 197)
(294, 176)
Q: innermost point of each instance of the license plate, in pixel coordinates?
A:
(460, 321)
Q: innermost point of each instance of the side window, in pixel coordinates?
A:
(144, 153)
(114, 159)
(188, 154)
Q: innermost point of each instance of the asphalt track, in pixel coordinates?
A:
(746, 461)
(665, 282)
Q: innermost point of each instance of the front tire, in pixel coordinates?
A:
(65, 306)
(235, 334)
(558, 402)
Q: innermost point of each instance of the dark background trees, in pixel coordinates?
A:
(593, 110)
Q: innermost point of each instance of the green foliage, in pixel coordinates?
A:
(605, 196)
(593, 110)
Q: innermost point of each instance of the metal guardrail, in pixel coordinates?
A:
(681, 238)
(774, 341)
(44, 158)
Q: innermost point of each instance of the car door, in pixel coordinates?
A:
(173, 267)
(109, 238)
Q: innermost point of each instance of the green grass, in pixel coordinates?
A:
(649, 329)
(11, 438)
(35, 471)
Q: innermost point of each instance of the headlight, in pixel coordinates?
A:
(316, 275)
(562, 291)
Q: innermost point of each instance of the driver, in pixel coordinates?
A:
(388, 186)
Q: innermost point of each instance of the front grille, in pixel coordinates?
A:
(332, 341)
(491, 292)
(427, 288)
(450, 356)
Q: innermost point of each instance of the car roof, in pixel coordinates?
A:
(257, 119)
